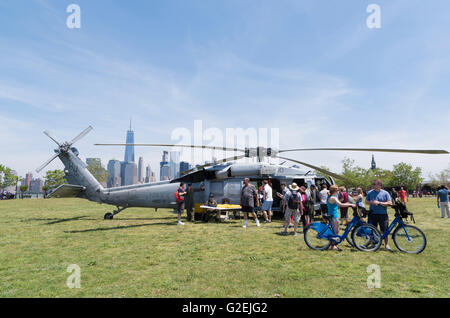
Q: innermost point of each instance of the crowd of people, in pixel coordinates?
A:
(302, 203)
(7, 195)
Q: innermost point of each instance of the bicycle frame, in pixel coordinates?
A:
(397, 221)
(324, 233)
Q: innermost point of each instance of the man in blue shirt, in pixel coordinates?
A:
(442, 195)
(379, 200)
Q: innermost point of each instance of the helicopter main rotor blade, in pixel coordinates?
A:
(430, 152)
(334, 175)
(172, 145)
(81, 135)
(213, 163)
(52, 137)
(46, 163)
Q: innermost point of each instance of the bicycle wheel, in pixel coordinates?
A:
(349, 241)
(366, 238)
(313, 240)
(413, 243)
(349, 237)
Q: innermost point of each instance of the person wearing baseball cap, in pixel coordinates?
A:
(293, 206)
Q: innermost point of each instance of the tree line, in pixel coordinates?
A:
(401, 175)
(52, 178)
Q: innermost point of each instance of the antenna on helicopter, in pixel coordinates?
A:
(62, 147)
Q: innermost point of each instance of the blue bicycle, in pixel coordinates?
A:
(408, 238)
(365, 237)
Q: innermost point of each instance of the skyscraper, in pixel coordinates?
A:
(184, 166)
(174, 164)
(165, 157)
(27, 180)
(128, 168)
(128, 173)
(140, 175)
(129, 150)
(36, 185)
(114, 179)
(164, 169)
(149, 174)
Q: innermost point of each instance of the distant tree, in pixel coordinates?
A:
(7, 179)
(378, 173)
(54, 178)
(45, 188)
(22, 189)
(96, 169)
(404, 175)
(442, 178)
(354, 176)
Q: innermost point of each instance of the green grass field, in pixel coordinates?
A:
(143, 253)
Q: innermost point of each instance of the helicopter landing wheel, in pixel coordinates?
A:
(108, 216)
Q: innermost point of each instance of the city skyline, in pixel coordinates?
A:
(121, 172)
(170, 168)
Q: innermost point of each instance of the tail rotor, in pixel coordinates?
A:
(62, 147)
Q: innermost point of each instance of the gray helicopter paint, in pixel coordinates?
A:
(158, 195)
(225, 184)
(77, 174)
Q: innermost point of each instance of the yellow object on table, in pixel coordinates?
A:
(229, 206)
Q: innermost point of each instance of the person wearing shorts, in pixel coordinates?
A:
(268, 202)
(323, 195)
(293, 194)
(379, 200)
(333, 205)
(249, 195)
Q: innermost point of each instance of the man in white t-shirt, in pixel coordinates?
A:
(323, 196)
(268, 201)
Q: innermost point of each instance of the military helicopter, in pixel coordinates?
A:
(222, 178)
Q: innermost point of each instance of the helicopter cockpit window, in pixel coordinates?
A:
(217, 187)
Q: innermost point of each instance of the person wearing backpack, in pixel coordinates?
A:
(283, 196)
(293, 207)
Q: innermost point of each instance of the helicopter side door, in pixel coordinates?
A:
(232, 191)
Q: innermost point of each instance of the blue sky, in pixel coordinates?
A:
(310, 68)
